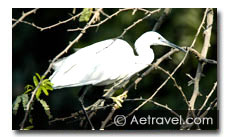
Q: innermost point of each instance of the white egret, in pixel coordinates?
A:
(106, 62)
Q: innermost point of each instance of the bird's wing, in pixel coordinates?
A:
(92, 64)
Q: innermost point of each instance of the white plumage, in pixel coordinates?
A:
(106, 62)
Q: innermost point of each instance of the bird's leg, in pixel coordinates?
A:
(81, 100)
(118, 85)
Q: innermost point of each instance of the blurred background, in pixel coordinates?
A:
(32, 51)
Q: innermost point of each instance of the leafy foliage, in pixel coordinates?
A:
(29, 127)
(22, 98)
(85, 15)
(43, 86)
(46, 108)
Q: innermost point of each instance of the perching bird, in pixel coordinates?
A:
(106, 62)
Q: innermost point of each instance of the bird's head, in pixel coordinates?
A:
(154, 38)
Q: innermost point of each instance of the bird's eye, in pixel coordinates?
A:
(159, 38)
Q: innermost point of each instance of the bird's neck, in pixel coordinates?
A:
(144, 52)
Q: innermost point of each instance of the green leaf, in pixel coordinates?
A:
(35, 81)
(27, 91)
(42, 77)
(85, 15)
(46, 81)
(25, 100)
(38, 93)
(16, 104)
(46, 108)
(29, 127)
(38, 76)
(49, 83)
(48, 87)
(44, 90)
(28, 88)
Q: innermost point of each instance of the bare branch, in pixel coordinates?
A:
(175, 83)
(107, 119)
(161, 19)
(199, 56)
(103, 21)
(51, 26)
(138, 21)
(24, 15)
(111, 16)
(209, 13)
(207, 98)
(211, 106)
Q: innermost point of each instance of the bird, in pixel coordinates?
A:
(107, 62)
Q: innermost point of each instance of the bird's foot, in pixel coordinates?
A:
(119, 100)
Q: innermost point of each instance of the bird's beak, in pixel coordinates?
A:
(167, 43)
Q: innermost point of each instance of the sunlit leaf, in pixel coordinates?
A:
(48, 87)
(86, 14)
(28, 88)
(29, 127)
(49, 83)
(27, 91)
(38, 76)
(45, 81)
(38, 93)
(35, 81)
(42, 77)
(44, 90)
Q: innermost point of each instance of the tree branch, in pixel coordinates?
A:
(24, 15)
(199, 56)
(162, 18)
(207, 98)
(51, 26)
(175, 83)
(203, 54)
(111, 16)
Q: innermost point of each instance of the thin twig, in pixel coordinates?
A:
(51, 26)
(207, 98)
(107, 119)
(199, 56)
(109, 17)
(24, 15)
(76, 114)
(211, 106)
(161, 19)
(103, 21)
(175, 83)
(138, 21)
